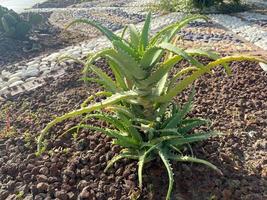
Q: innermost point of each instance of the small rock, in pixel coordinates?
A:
(6, 73)
(226, 194)
(71, 196)
(27, 176)
(41, 178)
(30, 79)
(31, 73)
(81, 145)
(85, 194)
(2, 147)
(62, 195)
(34, 62)
(42, 187)
(10, 197)
(13, 80)
(69, 173)
(11, 185)
(4, 90)
(16, 83)
(82, 184)
(44, 170)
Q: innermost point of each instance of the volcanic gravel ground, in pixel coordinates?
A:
(72, 169)
(47, 37)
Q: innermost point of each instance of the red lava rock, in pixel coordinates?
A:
(82, 184)
(3, 194)
(62, 195)
(235, 108)
(41, 178)
(54, 171)
(85, 194)
(42, 187)
(227, 194)
(52, 179)
(11, 185)
(27, 176)
(35, 170)
(44, 170)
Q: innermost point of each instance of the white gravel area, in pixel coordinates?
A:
(251, 32)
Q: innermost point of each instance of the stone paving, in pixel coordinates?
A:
(224, 33)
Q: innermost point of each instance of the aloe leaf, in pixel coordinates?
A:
(228, 59)
(174, 49)
(165, 160)
(123, 63)
(92, 58)
(181, 73)
(124, 140)
(149, 57)
(193, 138)
(176, 119)
(90, 98)
(120, 109)
(174, 28)
(142, 160)
(108, 118)
(123, 47)
(109, 34)
(162, 70)
(201, 52)
(189, 125)
(127, 65)
(210, 54)
(108, 83)
(194, 160)
(169, 132)
(109, 101)
(178, 88)
(92, 80)
(119, 157)
(161, 86)
(165, 138)
(145, 33)
(118, 75)
(124, 31)
(134, 36)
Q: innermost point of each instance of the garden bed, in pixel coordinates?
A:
(236, 105)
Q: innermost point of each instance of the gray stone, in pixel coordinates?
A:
(22, 67)
(13, 80)
(263, 66)
(2, 146)
(5, 74)
(3, 194)
(16, 83)
(3, 90)
(17, 91)
(31, 73)
(17, 74)
(33, 62)
(45, 72)
(31, 78)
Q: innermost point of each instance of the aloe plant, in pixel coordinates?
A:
(138, 100)
(12, 25)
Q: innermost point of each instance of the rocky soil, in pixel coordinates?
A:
(44, 39)
(73, 168)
